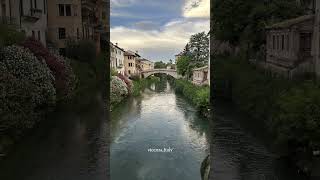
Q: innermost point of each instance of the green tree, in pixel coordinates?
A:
(183, 65)
(160, 65)
(199, 47)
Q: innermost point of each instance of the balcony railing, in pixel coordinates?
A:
(33, 15)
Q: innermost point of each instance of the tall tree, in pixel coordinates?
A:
(199, 47)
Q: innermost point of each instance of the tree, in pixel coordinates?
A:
(183, 65)
(199, 47)
(160, 65)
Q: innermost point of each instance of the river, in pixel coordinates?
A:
(157, 119)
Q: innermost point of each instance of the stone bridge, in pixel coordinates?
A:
(170, 72)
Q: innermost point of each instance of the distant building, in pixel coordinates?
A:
(200, 76)
(117, 58)
(146, 65)
(130, 63)
(29, 17)
(293, 45)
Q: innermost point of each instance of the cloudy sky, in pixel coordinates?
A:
(158, 29)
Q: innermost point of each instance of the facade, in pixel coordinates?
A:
(64, 22)
(117, 58)
(293, 45)
(27, 16)
(146, 65)
(200, 76)
(130, 63)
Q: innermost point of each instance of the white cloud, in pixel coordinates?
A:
(158, 44)
(121, 3)
(196, 9)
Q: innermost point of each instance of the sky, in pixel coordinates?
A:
(157, 29)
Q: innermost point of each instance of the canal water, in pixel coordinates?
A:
(240, 149)
(157, 119)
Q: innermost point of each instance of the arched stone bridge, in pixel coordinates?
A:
(170, 72)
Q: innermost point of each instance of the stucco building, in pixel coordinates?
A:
(27, 16)
(146, 65)
(293, 45)
(200, 76)
(117, 58)
(64, 22)
(130, 63)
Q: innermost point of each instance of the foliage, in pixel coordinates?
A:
(118, 90)
(184, 67)
(199, 47)
(139, 85)
(26, 87)
(113, 72)
(64, 76)
(83, 50)
(160, 65)
(127, 81)
(289, 109)
(10, 36)
(198, 95)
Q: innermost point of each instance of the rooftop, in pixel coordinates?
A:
(290, 22)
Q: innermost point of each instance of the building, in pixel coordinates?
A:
(200, 76)
(293, 45)
(27, 16)
(117, 58)
(130, 63)
(64, 22)
(146, 65)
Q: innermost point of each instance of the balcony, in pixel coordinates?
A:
(88, 4)
(33, 16)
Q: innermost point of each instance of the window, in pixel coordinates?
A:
(33, 34)
(62, 33)
(78, 34)
(277, 42)
(35, 4)
(44, 6)
(129, 72)
(39, 36)
(282, 42)
(104, 15)
(61, 10)
(273, 42)
(68, 9)
(288, 42)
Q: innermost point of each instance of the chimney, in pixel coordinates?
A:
(137, 52)
(116, 44)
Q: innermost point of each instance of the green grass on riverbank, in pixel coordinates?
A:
(198, 95)
(289, 109)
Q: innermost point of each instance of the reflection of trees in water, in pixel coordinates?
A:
(196, 121)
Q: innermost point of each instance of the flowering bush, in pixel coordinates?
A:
(127, 81)
(26, 89)
(64, 76)
(118, 90)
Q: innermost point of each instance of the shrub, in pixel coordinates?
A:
(83, 50)
(118, 90)
(64, 76)
(127, 81)
(10, 36)
(26, 89)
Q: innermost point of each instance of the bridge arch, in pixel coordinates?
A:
(170, 72)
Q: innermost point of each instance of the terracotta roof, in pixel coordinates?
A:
(290, 22)
(130, 53)
(200, 68)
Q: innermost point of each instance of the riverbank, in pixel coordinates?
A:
(198, 95)
(289, 109)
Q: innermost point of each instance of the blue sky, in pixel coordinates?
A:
(158, 29)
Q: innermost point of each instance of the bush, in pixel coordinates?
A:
(61, 68)
(26, 87)
(83, 50)
(10, 36)
(198, 95)
(118, 90)
(127, 81)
